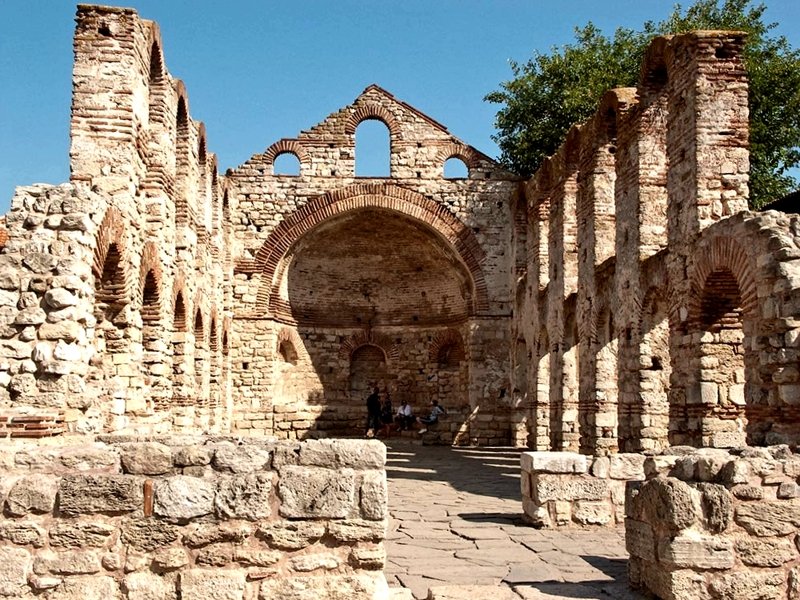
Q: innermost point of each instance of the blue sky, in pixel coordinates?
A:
(258, 71)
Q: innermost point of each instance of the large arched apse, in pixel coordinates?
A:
(371, 292)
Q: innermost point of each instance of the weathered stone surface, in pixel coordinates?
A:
(84, 587)
(675, 585)
(717, 507)
(13, 574)
(640, 540)
(241, 459)
(743, 585)
(148, 534)
(32, 494)
(215, 555)
(255, 557)
(22, 533)
(668, 503)
(374, 495)
(149, 586)
(80, 535)
(311, 492)
(627, 466)
(146, 458)
(692, 550)
(331, 587)
(553, 462)
(181, 498)
(72, 562)
(769, 552)
(90, 458)
(587, 512)
(548, 487)
(312, 562)
(192, 456)
(244, 497)
(769, 518)
(357, 530)
(169, 559)
(212, 584)
(204, 534)
(291, 535)
(89, 494)
(370, 556)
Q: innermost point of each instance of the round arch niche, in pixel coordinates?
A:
(373, 267)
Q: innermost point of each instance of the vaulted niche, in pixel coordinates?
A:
(373, 267)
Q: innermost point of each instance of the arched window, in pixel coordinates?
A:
(373, 149)
(455, 168)
(287, 352)
(286, 163)
(111, 288)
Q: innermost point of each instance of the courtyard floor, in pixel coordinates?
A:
(456, 520)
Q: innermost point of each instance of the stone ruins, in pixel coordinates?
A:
(177, 342)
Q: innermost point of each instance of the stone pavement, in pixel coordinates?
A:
(456, 519)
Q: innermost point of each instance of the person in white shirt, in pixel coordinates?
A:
(405, 416)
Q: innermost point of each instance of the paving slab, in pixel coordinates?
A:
(456, 527)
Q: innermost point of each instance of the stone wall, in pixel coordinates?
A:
(683, 329)
(716, 524)
(566, 489)
(187, 517)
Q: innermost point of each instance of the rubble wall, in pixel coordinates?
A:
(189, 517)
(715, 524)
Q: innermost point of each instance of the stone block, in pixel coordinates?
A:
(292, 535)
(246, 458)
(73, 562)
(305, 563)
(312, 492)
(767, 552)
(357, 530)
(146, 458)
(181, 498)
(717, 505)
(146, 535)
(627, 466)
(553, 462)
(692, 550)
(22, 533)
(682, 584)
(212, 584)
(65, 534)
(169, 559)
(149, 586)
(742, 585)
(640, 540)
(548, 487)
(244, 497)
(13, 575)
(90, 494)
(374, 496)
(32, 494)
(204, 534)
(331, 587)
(666, 502)
(764, 519)
(85, 587)
(592, 512)
(368, 556)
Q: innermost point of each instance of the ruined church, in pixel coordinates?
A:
(622, 299)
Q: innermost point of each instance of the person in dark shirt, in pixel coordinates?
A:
(373, 413)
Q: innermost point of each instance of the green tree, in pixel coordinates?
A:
(550, 92)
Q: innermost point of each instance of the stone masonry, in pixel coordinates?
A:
(151, 294)
(194, 518)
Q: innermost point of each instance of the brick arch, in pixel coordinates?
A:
(369, 195)
(179, 322)
(150, 265)
(390, 348)
(372, 112)
(116, 291)
(286, 146)
(460, 151)
(654, 73)
(443, 339)
(723, 253)
(286, 334)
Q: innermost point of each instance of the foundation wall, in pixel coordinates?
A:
(713, 524)
(185, 517)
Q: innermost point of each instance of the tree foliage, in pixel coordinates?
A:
(552, 91)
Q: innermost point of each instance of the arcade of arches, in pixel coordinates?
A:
(622, 299)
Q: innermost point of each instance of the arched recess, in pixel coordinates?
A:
(464, 153)
(213, 360)
(180, 373)
(155, 355)
(200, 349)
(599, 434)
(541, 407)
(449, 368)
(722, 315)
(353, 342)
(182, 161)
(383, 196)
(367, 370)
(158, 114)
(110, 265)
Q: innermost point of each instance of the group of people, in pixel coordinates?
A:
(381, 417)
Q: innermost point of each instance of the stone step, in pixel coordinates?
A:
(471, 592)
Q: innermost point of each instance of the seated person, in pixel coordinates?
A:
(405, 416)
(436, 412)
